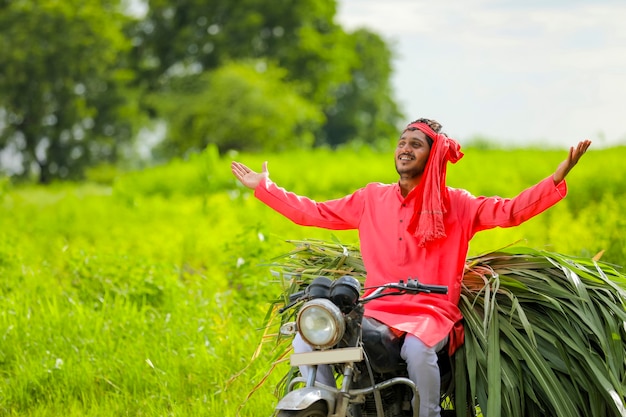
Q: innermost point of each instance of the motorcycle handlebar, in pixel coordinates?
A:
(411, 286)
(415, 284)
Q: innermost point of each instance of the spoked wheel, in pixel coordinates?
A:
(318, 409)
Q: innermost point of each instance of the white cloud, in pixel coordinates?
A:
(553, 70)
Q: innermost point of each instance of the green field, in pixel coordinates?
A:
(142, 293)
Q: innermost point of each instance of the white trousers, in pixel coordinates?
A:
(421, 363)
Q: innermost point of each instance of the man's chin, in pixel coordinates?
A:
(409, 172)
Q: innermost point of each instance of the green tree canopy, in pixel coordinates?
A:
(238, 106)
(62, 84)
(347, 76)
(299, 35)
(77, 77)
(364, 110)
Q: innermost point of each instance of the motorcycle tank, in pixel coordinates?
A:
(381, 345)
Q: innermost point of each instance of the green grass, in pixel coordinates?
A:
(143, 293)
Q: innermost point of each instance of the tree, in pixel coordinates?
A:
(62, 84)
(298, 35)
(364, 109)
(245, 106)
(330, 68)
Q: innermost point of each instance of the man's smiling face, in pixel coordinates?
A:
(411, 154)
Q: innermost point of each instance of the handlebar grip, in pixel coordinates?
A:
(437, 289)
(426, 288)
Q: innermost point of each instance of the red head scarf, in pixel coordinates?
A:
(427, 220)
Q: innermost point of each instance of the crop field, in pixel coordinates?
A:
(144, 293)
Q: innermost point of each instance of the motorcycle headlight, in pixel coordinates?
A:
(321, 323)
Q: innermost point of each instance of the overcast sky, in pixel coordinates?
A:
(538, 71)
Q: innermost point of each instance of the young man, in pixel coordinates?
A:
(417, 227)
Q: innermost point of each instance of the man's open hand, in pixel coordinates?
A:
(248, 177)
(575, 153)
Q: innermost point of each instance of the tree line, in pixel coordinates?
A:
(79, 80)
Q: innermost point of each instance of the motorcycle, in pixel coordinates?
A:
(363, 353)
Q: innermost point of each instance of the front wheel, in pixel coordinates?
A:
(318, 409)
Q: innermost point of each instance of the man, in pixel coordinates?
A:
(417, 227)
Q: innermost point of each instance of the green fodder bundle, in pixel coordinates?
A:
(545, 332)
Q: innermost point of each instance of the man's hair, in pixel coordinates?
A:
(433, 124)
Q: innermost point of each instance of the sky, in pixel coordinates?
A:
(531, 72)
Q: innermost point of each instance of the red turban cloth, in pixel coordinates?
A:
(431, 193)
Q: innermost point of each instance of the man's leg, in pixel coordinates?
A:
(424, 372)
(324, 373)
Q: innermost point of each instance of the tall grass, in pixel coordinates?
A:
(113, 308)
(142, 293)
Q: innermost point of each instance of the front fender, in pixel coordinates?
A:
(302, 398)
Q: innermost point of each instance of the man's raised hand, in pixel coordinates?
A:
(575, 153)
(248, 177)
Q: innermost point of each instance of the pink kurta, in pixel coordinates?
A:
(390, 253)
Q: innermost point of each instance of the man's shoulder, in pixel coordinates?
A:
(378, 191)
(379, 187)
(459, 193)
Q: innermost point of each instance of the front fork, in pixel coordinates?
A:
(343, 396)
(338, 400)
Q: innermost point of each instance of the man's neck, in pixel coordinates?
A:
(408, 184)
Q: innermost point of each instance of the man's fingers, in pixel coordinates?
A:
(239, 170)
(582, 148)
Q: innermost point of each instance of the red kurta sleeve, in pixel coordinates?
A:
(340, 214)
(490, 212)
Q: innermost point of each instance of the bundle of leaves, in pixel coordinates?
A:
(545, 332)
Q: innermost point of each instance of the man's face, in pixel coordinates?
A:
(412, 154)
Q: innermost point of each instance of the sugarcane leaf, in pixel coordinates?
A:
(610, 394)
(494, 378)
(517, 309)
(543, 374)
